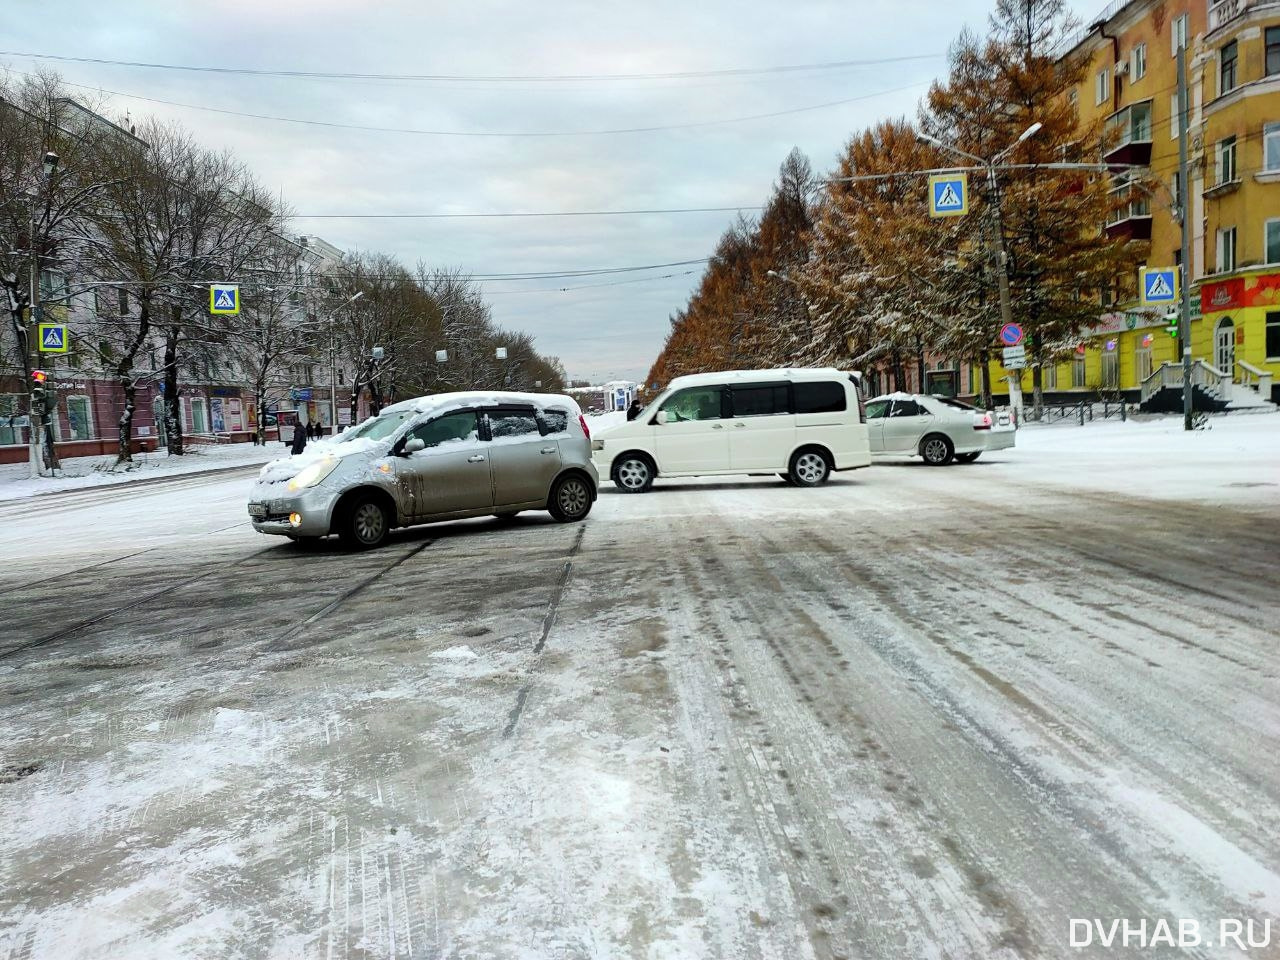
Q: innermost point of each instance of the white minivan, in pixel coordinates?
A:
(798, 424)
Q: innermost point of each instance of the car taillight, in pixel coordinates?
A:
(984, 423)
(586, 431)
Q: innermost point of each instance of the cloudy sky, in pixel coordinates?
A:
(599, 330)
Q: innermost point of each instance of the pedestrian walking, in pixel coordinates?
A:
(299, 438)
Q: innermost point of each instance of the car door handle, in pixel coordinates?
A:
(717, 426)
(478, 458)
(739, 424)
(548, 449)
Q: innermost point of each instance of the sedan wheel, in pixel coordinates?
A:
(570, 500)
(809, 468)
(367, 525)
(633, 475)
(937, 450)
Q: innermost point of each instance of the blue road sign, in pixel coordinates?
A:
(948, 195)
(53, 338)
(1159, 284)
(1011, 334)
(224, 298)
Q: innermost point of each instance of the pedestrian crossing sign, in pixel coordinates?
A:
(1159, 285)
(948, 195)
(53, 338)
(224, 298)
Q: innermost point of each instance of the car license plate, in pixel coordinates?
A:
(258, 511)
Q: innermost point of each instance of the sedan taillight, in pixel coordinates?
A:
(983, 422)
(586, 431)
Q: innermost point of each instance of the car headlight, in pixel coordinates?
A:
(310, 476)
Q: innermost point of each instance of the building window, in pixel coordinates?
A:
(13, 432)
(78, 418)
(1272, 240)
(1102, 86)
(1110, 369)
(1227, 61)
(1271, 147)
(1178, 33)
(1226, 167)
(123, 301)
(1175, 188)
(1273, 336)
(1049, 376)
(1077, 370)
(199, 416)
(1273, 50)
(1073, 98)
(1138, 63)
(1175, 118)
(53, 285)
(1227, 250)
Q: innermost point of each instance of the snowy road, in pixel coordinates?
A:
(885, 719)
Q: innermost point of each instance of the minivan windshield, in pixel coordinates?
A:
(378, 428)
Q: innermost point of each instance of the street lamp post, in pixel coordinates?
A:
(1001, 255)
(39, 427)
(333, 363)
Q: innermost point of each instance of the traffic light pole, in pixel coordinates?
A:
(1184, 195)
(35, 401)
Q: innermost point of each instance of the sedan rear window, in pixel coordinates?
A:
(823, 396)
(958, 404)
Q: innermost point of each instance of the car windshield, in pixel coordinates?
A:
(378, 428)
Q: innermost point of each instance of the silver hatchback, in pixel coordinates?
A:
(443, 457)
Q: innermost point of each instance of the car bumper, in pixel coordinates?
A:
(1001, 439)
(313, 506)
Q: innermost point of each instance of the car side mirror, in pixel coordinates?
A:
(662, 416)
(414, 445)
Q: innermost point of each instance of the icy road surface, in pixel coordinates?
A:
(916, 713)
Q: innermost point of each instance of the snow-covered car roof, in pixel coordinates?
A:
(732, 376)
(446, 401)
(898, 395)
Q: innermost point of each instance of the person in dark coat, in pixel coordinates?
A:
(299, 438)
(633, 411)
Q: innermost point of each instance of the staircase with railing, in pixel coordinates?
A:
(1210, 386)
(1255, 379)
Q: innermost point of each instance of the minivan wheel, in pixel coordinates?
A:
(366, 525)
(809, 468)
(633, 473)
(570, 499)
(937, 450)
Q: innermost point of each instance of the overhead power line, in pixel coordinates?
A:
(333, 125)
(483, 78)
(544, 213)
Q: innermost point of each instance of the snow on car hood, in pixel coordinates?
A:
(286, 468)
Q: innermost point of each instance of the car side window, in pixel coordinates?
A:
(695, 403)
(877, 409)
(760, 399)
(554, 421)
(906, 408)
(450, 428)
(822, 396)
(512, 423)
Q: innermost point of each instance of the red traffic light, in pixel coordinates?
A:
(39, 376)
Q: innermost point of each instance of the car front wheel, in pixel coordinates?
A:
(570, 499)
(366, 525)
(937, 450)
(633, 473)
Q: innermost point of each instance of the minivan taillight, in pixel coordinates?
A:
(586, 431)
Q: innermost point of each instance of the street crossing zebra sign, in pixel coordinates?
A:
(948, 195)
(1159, 285)
(224, 298)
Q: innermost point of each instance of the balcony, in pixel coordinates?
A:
(1225, 12)
(1126, 137)
(1131, 215)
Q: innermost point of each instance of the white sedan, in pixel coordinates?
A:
(939, 429)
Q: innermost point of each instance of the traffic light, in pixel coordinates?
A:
(43, 396)
(1172, 328)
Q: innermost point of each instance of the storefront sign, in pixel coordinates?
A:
(1261, 290)
(216, 412)
(344, 416)
(1120, 322)
(224, 391)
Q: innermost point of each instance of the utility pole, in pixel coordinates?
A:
(35, 425)
(1184, 196)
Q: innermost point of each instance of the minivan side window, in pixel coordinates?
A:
(823, 396)
(512, 423)
(694, 403)
(760, 399)
(452, 427)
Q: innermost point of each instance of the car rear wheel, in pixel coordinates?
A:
(968, 457)
(633, 473)
(809, 467)
(570, 499)
(937, 450)
(366, 525)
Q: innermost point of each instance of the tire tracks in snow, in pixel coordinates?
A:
(548, 622)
